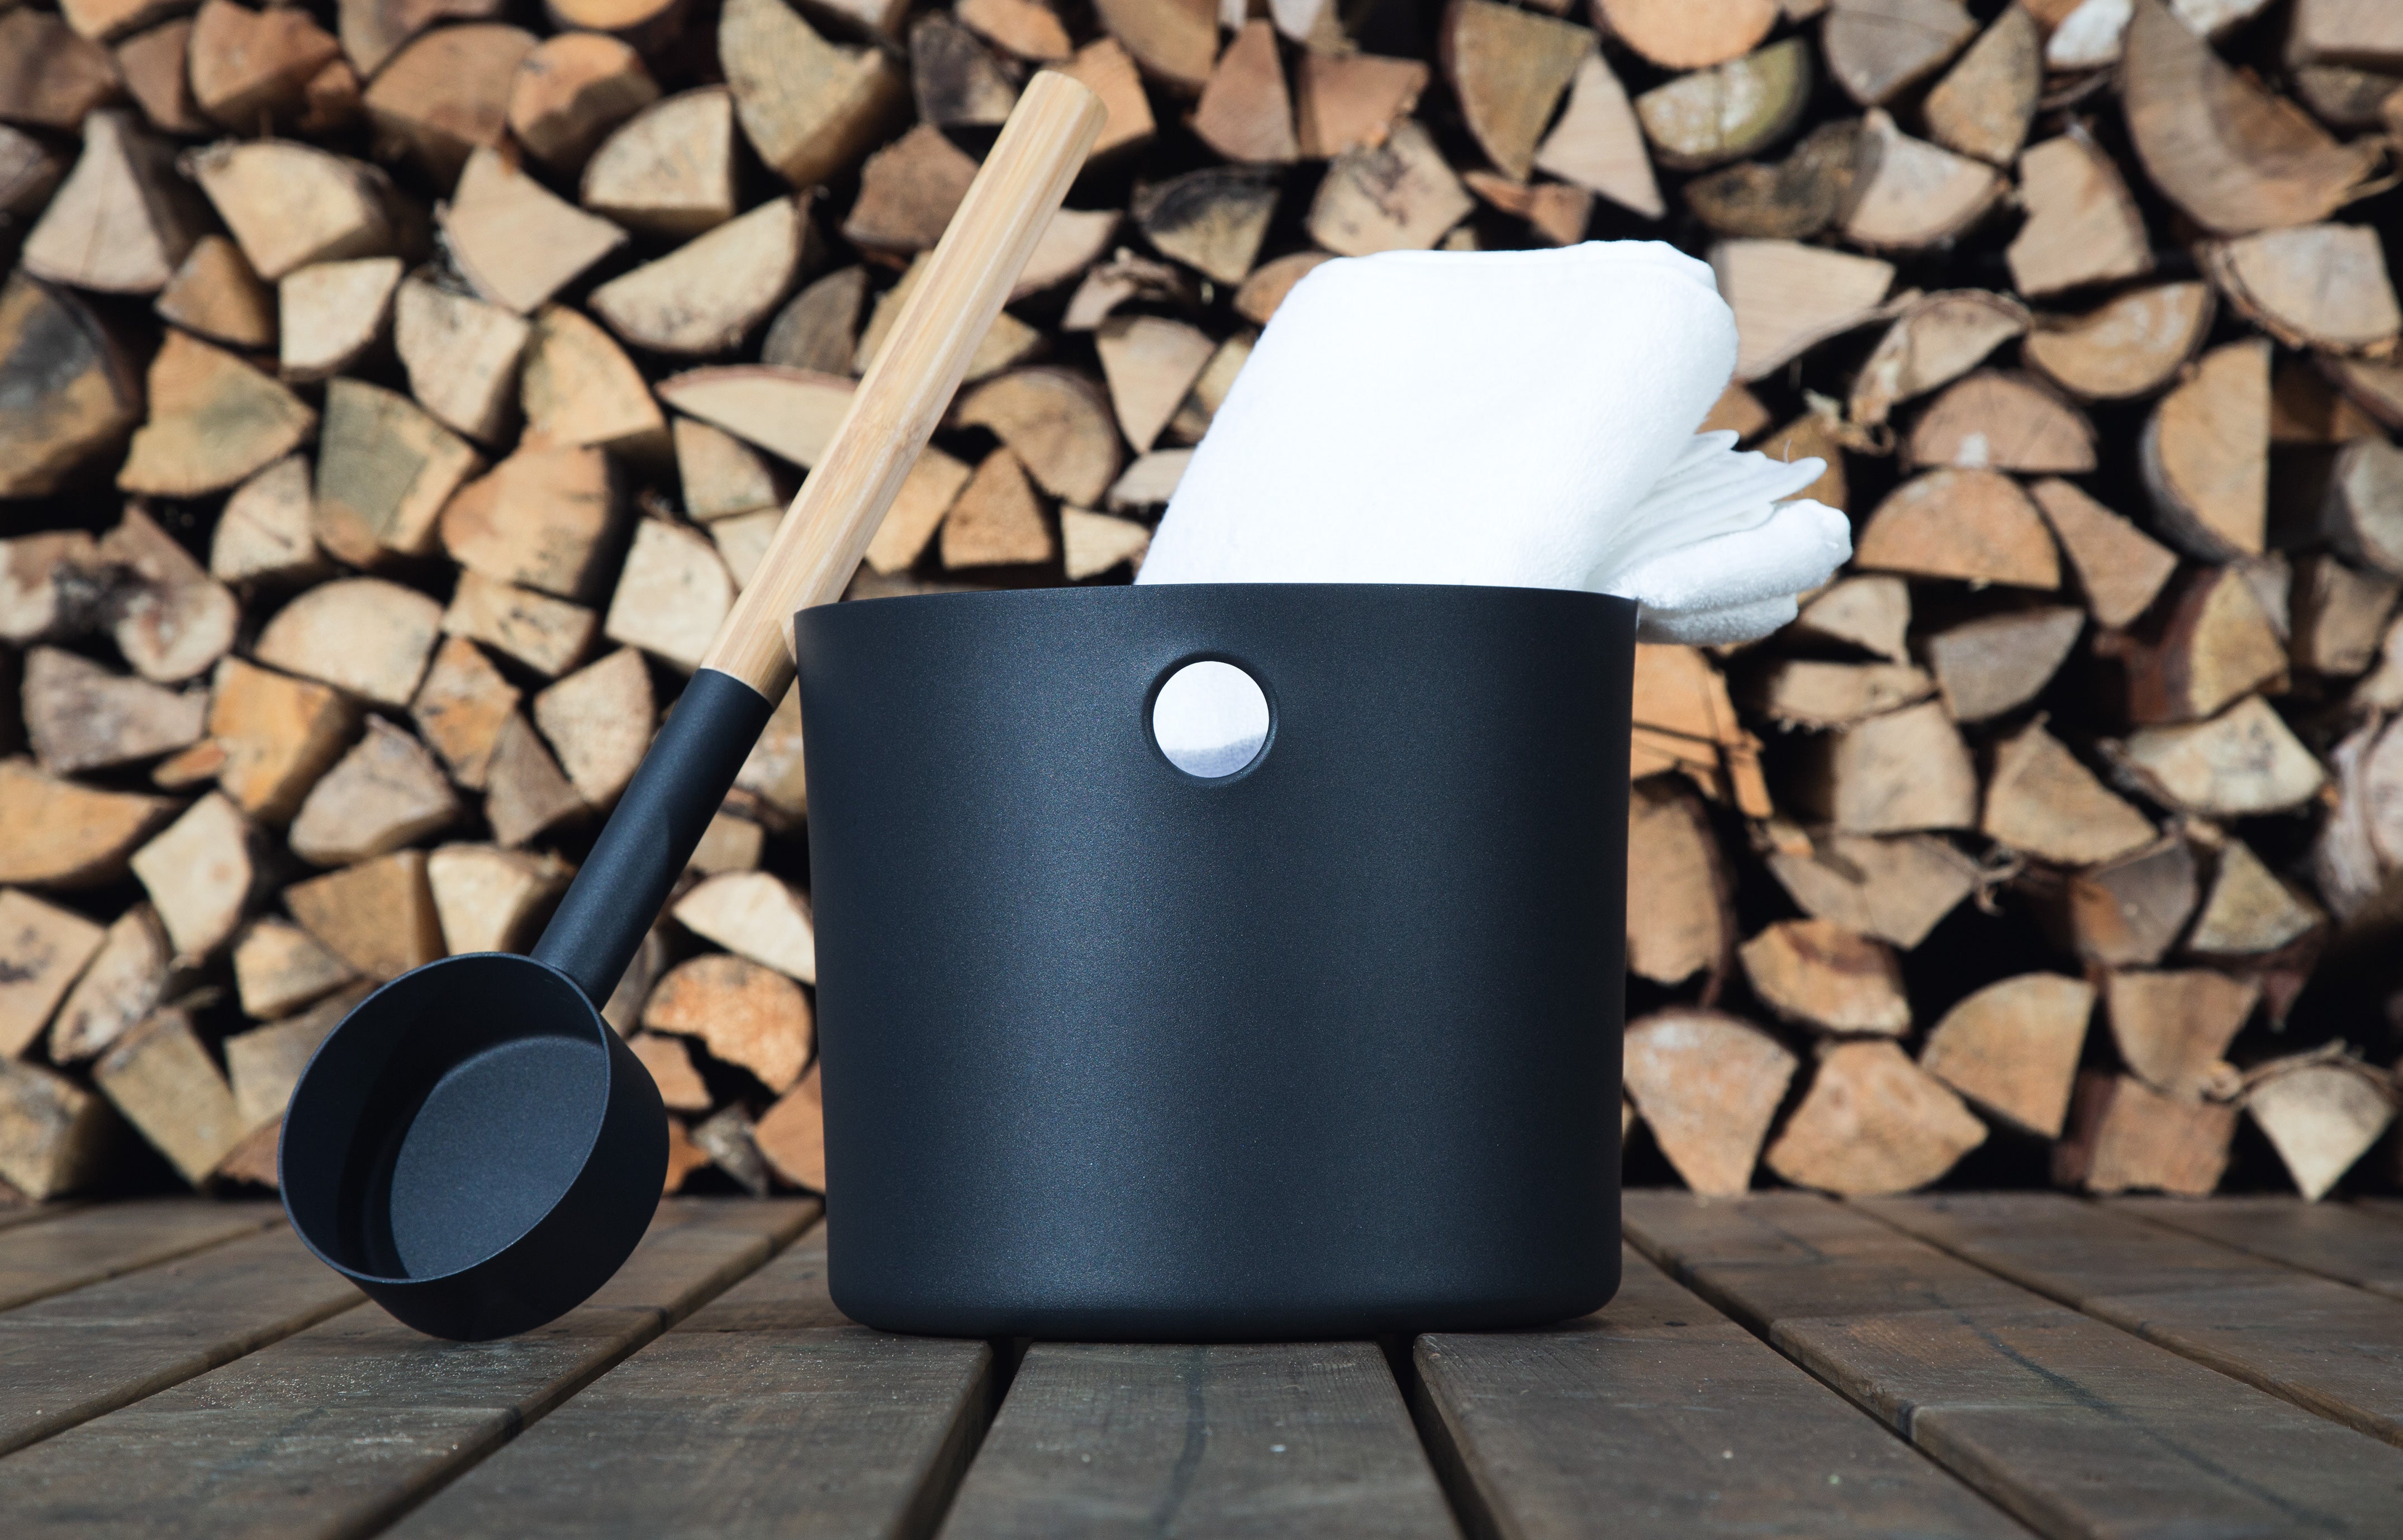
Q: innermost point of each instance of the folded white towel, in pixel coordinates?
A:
(1522, 419)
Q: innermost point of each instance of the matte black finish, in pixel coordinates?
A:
(1325, 1048)
(474, 1147)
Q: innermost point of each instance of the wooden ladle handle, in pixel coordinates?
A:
(835, 515)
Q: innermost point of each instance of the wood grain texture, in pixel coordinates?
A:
(2328, 1348)
(2072, 1426)
(77, 1355)
(118, 1238)
(1099, 1439)
(964, 285)
(2341, 1241)
(767, 1413)
(27, 1213)
(1673, 1420)
(335, 1430)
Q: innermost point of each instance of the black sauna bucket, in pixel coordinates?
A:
(1328, 1047)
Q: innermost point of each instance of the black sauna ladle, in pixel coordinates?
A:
(474, 1147)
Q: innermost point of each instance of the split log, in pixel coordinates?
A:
(2321, 1113)
(202, 873)
(2013, 1046)
(570, 89)
(1680, 37)
(2173, 1029)
(1057, 422)
(1816, 435)
(1091, 543)
(650, 27)
(1027, 28)
(384, 471)
(1871, 612)
(363, 636)
(265, 533)
(546, 634)
(1985, 104)
(264, 1065)
(1010, 340)
(2082, 226)
(1998, 421)
(373, 31)
(329, 315)
(1893, 774)
(669, 1062)
(684, 1157)
(50, 585)
(1681, 908)
(2340, 616)
(2130, 345)
(67, 394)
(754, 914)
(152, 64)
(1150, 363)
(1933, 342)
(1218, 376)
(1149, 483)
(788, 412)
(248, 67)
(1896, 889)
(2348, 32)
(1707, 1084)
(2119, 566)
(774, 778)
(124, 220)
(462, 708)
(726, 1139)
(80, 715)
(2361, 512)
(54, 833)
(956, 81)
(1877, 49)
(908, 191)
(1106, 69)
(446, 95)
(289, 204)
(2314, 286)
(1738, 411)
(671, 595)
(543, 517)
(1597, 143)
(1126, 277)
(791, 1138)
(721, 476)
(2216, 645)
(387, 792)
(2205, 455)
(745, 1014)
(50, 78)
(2250, 911)
(55, 1137)
(1989, 667)
(526, 794)
(279, 734)
(2041, 802)
(2233, 157)
(1213, 220)
(2306, 408)
(729, 844)
(169, 620)
(598, 720)
(2243, 762)
(378, 916)
(1175, 41)
(1827, 977)
(43, 949)
(1398, 196)
(817, 331)
(1072, 242)
(576, 386)
(1352, 101)
(1872, 1122)
(215, 295)
(1246, 113)
(1805, 692)
(1789, 298)
(123, 983)
(213, 420)
(1508, 69)
(1727, 112)
(1973, 525)
(2123, 1136)
(490, 899)
(517, 243)
(811, 108)
(996, 519)
(279, 968)
(460, 355)
(1793, 199)
(926, 495)
(165, 1084)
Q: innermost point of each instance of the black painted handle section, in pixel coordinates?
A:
(652, 833)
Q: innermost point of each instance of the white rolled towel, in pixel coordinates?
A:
(1523, 419)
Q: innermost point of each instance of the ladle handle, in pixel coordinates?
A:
(701, 747)
(838, 507)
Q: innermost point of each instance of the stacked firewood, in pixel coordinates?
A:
(394, 393)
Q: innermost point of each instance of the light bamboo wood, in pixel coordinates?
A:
(830, 522)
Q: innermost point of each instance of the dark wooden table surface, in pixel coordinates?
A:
(1783, 1365)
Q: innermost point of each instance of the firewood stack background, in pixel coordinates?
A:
(394, 393)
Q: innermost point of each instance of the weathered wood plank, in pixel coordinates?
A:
(2327, 1347)
(765, 1414)
(77, 1355)
(1671, 1420)
(111, 1238)
(2071, 1424)
(2336, 1241)
(335, 1430)
(1227, 1440)
(25, 1214)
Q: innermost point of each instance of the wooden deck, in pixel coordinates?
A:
(1974, 1365)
